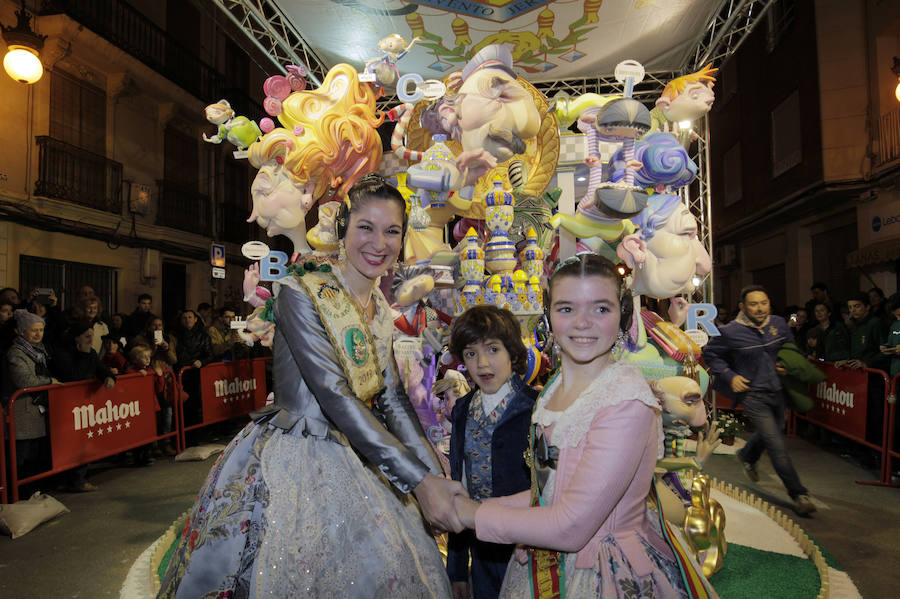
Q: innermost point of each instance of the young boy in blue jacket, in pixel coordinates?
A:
(488, 438)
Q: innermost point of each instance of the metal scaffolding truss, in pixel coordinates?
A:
(270, 31)
(265, 25)
(726, 31)
(698, 199)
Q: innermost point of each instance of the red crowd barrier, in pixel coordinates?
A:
(840, 406)
(227, 390)
(88, 422)
(891, 450)
(2, 460)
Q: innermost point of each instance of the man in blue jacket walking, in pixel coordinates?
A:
(744, 359)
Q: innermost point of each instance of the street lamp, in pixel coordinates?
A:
(22, 61)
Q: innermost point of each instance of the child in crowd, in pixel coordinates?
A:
(142, 360)
(112, 355)
(595, 440)
(488, 437)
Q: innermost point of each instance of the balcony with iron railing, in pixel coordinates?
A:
(183, 208)
(66, 172)
(889, 137)
(128, 29)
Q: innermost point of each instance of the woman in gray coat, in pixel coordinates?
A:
(26, 363)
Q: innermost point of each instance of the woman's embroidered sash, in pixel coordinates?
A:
(348, 331)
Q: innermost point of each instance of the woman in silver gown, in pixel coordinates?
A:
(312, 498)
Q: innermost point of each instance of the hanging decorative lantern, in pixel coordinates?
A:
(461, 30)
(545, 23)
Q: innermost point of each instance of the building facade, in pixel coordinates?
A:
(104, 176)
(805, 134)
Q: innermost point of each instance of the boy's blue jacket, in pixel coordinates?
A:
(509, 473)
(747, 351)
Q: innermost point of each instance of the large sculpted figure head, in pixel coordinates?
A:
(665, 254)
(689, 97)
(490, 109)
(328, 140)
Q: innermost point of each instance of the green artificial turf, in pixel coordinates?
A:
(164, 563)
(749, 573)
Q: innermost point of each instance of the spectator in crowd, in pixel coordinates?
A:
(116, 326)
(77, 360)
(820, 295)
(139, 362)
(225, 341)
(27, 365)
(722, 315)
(866, 336)
(205, 313)
(866, 339)
(137, 320)
(7, 325)
(55, 323)
(113, 358)
(89, 309)
(154, 336)
(141, 359)
(743, 358)
(193, 349)
(892, 342)
(10, 296)
(844, 310)
(828, 340)
(878, 308)
(798, 320)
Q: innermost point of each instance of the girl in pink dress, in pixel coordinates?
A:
(596, 437)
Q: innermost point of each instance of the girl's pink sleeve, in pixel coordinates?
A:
(615, 445)
(522, 499)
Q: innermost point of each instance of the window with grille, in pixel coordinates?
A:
(66, 278)
(787, 139)
(181, 205)
(77, 113)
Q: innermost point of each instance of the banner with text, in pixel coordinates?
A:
(232, 389)
(840, 400)
(89, 421)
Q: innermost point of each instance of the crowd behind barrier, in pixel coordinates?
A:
(88, 422)
(841, 406)
(227, 390)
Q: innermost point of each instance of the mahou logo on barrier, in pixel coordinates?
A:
(88, 421)
(235, 389)
(840, 400)
(231, 389)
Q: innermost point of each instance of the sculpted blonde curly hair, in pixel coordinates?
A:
(339, 141)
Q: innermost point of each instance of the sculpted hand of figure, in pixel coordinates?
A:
(707, 443)
(678, 308)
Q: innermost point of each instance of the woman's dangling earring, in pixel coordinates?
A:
(342, 251)
(618, 348)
